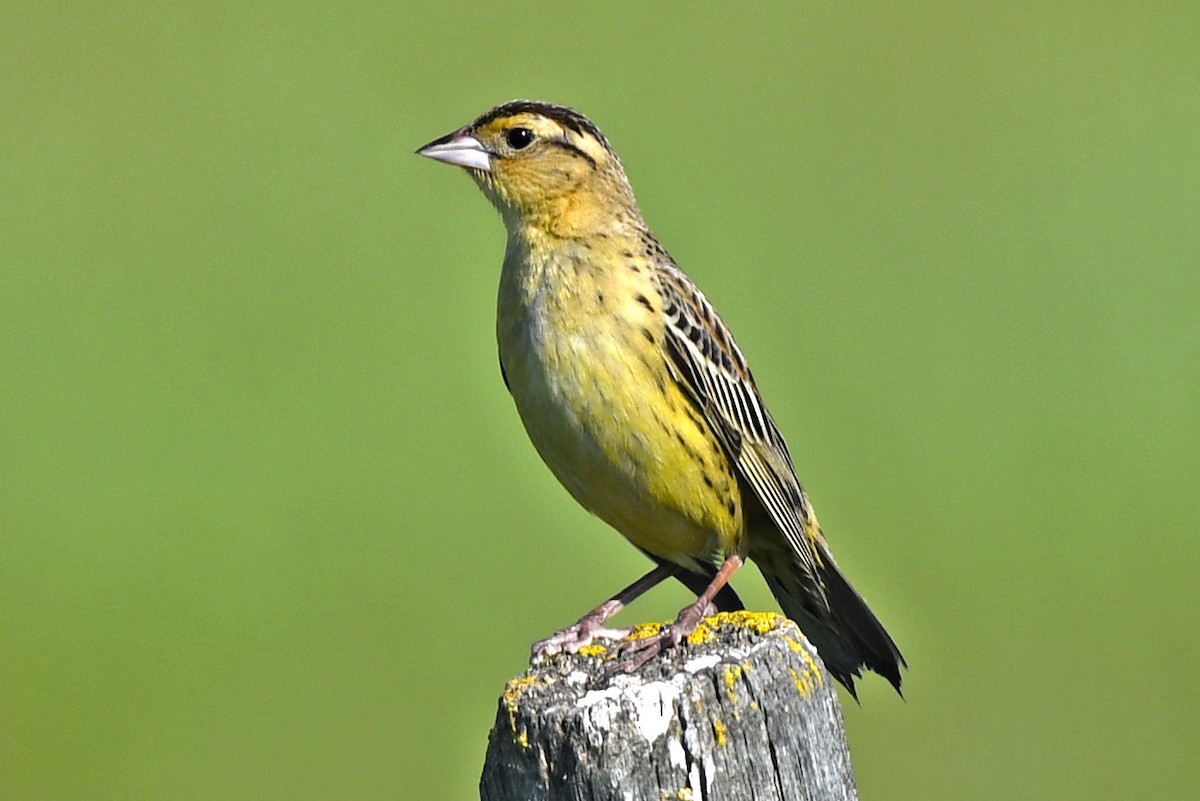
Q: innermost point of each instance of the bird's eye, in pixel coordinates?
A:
(519, 138)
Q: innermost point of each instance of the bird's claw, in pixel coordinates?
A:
(569, 640)
(636, 652)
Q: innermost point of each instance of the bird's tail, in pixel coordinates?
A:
(844, 631)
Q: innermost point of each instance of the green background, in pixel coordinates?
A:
(269, 527)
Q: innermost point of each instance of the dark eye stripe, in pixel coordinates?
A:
(565, 145)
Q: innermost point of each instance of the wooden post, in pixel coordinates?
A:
(744, 710)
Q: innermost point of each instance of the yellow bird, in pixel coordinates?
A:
(636, 396)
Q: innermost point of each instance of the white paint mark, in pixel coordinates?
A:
(651, 706)
(593, 697)
(694, 778)
(675, 754)
(654, 706)
(701, 663)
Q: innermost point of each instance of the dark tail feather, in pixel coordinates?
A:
(847, 635)
(876, 649)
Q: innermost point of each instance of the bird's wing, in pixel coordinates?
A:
(708, 364)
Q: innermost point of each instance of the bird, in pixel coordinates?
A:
(636, 396)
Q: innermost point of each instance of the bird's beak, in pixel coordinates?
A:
(460, 149)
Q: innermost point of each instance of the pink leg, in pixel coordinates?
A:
(591, 625)
(642, 651)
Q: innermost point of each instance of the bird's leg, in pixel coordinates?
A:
(591, 625)
(643, 650)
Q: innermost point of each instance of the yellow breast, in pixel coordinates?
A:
(582, 350)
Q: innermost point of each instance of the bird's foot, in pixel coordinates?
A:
(589, 628)
(638, 651)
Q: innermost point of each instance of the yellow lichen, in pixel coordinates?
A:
(513, 693)
(644, 631)
(804, 681)
(706, 631)
(685, 794)
(732, 674)
(813, 668)
(703, 634)
(516, 689)
(720, 733)
(595, 649)
(758, 622)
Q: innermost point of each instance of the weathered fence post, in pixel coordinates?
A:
(743, 711)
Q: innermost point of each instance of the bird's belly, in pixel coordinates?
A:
(621, 436)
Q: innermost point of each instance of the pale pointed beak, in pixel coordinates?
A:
(460, 149)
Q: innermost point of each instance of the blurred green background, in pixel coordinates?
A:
(269, 526)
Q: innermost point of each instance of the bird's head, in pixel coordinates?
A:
(544, 166)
